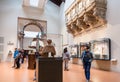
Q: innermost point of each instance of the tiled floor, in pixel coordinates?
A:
(75, 74)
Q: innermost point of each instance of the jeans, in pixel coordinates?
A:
(66, 61)
(18, 63)
(87, 66)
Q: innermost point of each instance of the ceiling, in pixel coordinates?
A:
(41, 3)
(57, 2)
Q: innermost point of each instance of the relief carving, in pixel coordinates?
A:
(100, 14)
(100, 11)
(81, 24)
(74, 27)
(21, 35)
(90, 14)
(90, 19)
(69, 30)
(101, 3)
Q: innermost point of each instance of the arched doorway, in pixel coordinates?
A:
(30, 25)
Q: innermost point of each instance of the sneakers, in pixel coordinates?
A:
(34, 79)
(87, 81)
(17, 67)
(66, 69)
(13, 66)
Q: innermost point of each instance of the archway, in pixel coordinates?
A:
(30, 25)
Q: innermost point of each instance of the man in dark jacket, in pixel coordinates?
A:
(87, 58)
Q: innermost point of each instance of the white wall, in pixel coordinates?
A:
(10, 10)
(111, 30)
(66, 37)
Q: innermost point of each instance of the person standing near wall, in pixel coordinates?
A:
(87, 58)
(9, 56)
(16, 53)
(22, 56)
(66, 58)
(18, 57)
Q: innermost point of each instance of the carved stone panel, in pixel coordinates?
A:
(81, 24)
(74, 27)
(69, 30)
(100, 14)
(90, 19)
(90, 14)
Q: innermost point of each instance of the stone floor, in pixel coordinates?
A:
(75, 74)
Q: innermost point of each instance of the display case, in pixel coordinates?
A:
(101, 49)
(74, 51)
(82, 45)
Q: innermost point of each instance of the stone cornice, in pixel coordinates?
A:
(85, 14)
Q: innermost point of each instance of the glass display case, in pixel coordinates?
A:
(101, 49)
(74, 50)
(82, 45)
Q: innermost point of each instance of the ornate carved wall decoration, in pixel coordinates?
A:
(100, 15)
(21, 35)
(87, 14)
(74, 28)
(90, 19)
(81, 24)
(69, 30)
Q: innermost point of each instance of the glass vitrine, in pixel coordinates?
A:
(101, 49)
(81, 47)
(74, 50)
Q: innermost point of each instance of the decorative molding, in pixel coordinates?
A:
(21, 35)
(90, 19)
(81, 24)
(84, 15)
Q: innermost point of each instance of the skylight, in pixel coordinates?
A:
(34, 3)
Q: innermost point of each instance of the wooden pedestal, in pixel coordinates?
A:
(49, 70)
(31, 61)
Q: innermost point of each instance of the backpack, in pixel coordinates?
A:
(87, 56)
